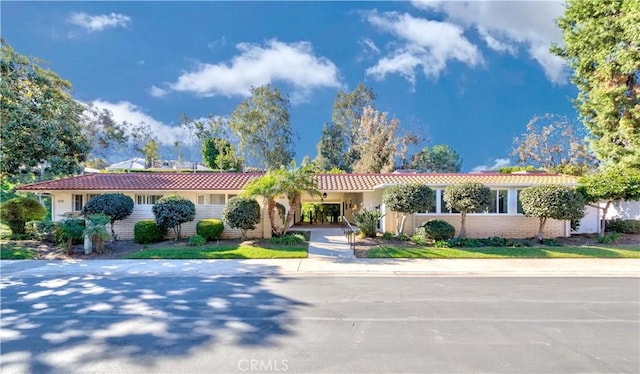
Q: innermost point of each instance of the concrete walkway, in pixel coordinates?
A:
(329, 243)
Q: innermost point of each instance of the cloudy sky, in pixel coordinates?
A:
(470, 75)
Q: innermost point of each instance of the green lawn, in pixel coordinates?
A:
(385, 251)
(13, 251)
(220, 252)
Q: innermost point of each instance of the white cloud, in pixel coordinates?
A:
(504, 25)
(370, 45)
(424, 43)
(497, 164)
(257, 65)
(99, 22)
(157, 91)
(126, 111)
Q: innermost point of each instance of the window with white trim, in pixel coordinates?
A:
(147, 199)
(78, 203)
(519, 210)
(499, 202)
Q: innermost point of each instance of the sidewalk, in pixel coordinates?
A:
(326, 267)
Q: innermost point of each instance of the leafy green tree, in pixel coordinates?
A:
(552, 201)
(16, 212)
(268, 187)
(41, 123)
(116, 206)
(172, 211)
(465, 198)
(610, 185)
(150, 151)
(242, 213)
(376, 143)
(218, 154)
(554, 143)
(407, 199)
(439, 159)
(337, 145)
(602, 40)
(294, 181)
(367, 221)
(262, 124)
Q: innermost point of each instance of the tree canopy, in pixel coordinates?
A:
(602, 47)
(41, 123)
(172, 211)
(407, 199)
(218, 154)
(262, 124)
(439, 159)
(552, 201)
(465, 198)
(116, 206)
(242, 213)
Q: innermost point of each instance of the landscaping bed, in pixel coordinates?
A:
(627, 246)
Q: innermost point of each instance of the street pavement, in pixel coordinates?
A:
(199, 322)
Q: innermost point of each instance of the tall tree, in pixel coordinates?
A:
(602, 46)
(262, 124)
(268, 187)
(554, 143)
(218, 154)
(41, 123)
(608, 186)
(467, 198)
(439, 159)
(337, 145)
(376, 143)
(150, 152)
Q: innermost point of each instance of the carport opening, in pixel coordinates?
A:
(321, 213)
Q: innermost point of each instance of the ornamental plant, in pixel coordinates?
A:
(406, 199)
(552, 201)
(210, 229)
(172, 211)
(242, 213)
(20, 210)
(465, 198)
(116, 206)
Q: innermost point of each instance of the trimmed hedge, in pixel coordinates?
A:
(624, 226)
(210, 229)
(437, 229)
(148, 231)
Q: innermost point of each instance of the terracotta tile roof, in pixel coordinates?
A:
(147, 182)
(367, 182)
(236, 181)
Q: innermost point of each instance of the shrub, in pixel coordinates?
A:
(436, 229)
(402, 238)
(551, 243)
(172, 211)
(242, 213)
(465, 243)
(407, 199)
(16, 212)
(624, 226)
(97, 230)
(197, 240)
(387, 236)
(367, 221)
(289, 239)
(418, 239)
(70, 232)
(41, 230)
(609, 238)
(552, 201)
(210, 229)
(147, 231)
(465, 198)
(116, 206)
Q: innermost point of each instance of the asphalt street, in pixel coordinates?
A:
(219, 324)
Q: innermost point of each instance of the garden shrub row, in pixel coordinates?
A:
(210, 229)
(624, 226)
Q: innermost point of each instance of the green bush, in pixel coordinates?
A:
(551, 243)
(70, 232)
(436, 229)
(387, 236)
(289, 239)
(418, 239)
(197, 240)
(367, 221)
(172, 211)
(116, 206)
(210, 229)
(16, 212)
(242, 213)
(609, 238)
(148, 231)
(41, 230)
(624, 226)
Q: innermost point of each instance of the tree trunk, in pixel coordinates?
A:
(463, 229)
(404, 217)
(603, 220)
(539, 236)
(289, 220)
(271, 205)
(113, 233)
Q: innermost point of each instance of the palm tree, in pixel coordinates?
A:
(292, 183)
(269, 187)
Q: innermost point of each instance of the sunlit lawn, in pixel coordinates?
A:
(235, 251)
(15, 251)
(623, 251)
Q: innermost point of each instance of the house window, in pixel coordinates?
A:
(216, 199)
(498, 202)
(147, 199)
(78, 203)
(200, 199)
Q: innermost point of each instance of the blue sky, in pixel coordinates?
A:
(470, 75)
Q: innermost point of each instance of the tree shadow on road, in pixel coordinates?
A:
(69, 323)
